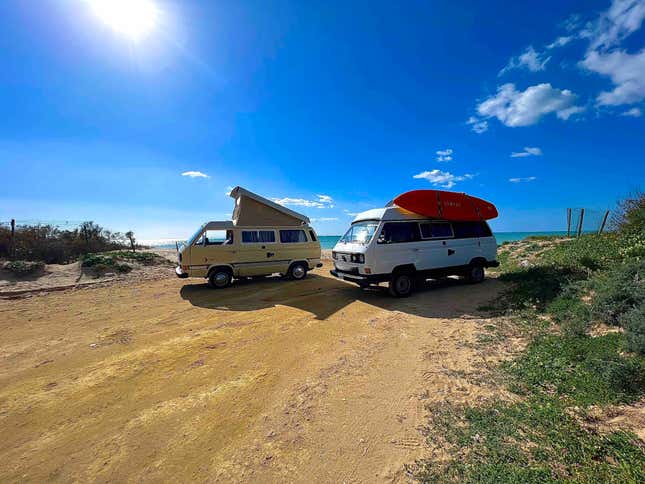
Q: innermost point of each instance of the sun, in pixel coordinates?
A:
(134, 19)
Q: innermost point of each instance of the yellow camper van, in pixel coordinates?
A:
(263, 238)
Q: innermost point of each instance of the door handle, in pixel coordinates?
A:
(270, 254)
(451, 251)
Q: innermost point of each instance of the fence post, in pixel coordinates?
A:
(13, 238)
(582, 217)
(568, 222)
(604, 221)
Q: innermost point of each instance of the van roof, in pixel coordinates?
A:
(388, 213)
(261, 211)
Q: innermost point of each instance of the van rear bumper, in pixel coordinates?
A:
(492, 263)
(180, 274)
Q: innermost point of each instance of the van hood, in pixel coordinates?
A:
(353, 248)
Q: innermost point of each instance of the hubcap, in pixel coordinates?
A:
(298, 272)
(403, 284)
(478, 273)
(221, 278)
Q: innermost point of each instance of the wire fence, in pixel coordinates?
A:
(584, 220)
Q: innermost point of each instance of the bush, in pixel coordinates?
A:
(629, 216)
(618, 291)
(22, 267)
(634, 324)
(54, 246)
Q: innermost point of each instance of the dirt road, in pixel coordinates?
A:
(268, 380)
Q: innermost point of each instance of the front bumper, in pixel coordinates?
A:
(180, 274)
(360, 279)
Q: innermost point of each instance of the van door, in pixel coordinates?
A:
(211, 248)
(294, 245)
(466, 242)
(256, 255)
(436, 251)
(399, 243)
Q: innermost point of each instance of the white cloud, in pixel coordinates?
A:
(195, 174)
(524, 108)
(529, 59)
(324, 219)
(626, 71)
(623, 18)
(443, 179)
(350, 214)
(633, 112)
(479, 126)
(444, 155)
(560, 41)
(528, 151)
(521, 180)
(322, 201)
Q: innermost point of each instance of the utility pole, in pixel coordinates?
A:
(568, 222)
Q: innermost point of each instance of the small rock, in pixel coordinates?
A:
(271, 434)
(110, 274)
(94, 345)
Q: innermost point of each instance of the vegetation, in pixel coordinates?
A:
(54, 246)
(558, 302)
(23, 268)
(118, 261)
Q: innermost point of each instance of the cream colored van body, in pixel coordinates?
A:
(263, 238)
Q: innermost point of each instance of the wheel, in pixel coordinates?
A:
(475, 274)
(297, 271)
(219, 278)
(401, 285)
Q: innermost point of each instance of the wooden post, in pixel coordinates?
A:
(568, 222)
(582, 217)
(604, 221)
(13, 238)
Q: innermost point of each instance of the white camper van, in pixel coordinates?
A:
(401, 248)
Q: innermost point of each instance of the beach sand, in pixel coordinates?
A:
(270, 380)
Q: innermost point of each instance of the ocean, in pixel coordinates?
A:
(329, 241)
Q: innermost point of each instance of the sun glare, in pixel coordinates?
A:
(134, 19)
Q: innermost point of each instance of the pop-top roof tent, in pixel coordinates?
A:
(252, 210)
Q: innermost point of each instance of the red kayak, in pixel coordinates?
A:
(446, 205)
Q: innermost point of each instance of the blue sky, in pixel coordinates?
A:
(330, 107)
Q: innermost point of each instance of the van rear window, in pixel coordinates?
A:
(292, 236)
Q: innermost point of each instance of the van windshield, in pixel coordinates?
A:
(360, 233)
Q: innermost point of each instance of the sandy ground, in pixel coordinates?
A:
(270, 380)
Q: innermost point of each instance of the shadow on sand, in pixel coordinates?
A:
(323, 296)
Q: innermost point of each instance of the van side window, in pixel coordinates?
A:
(258, 236)
(436, 230)
(215, 237)
(312, 235)
(470, 230)
(399, 232)
(292, 236)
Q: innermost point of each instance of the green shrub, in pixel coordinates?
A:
(618, 291)
(584, 370)
(634, 324)
(22, 267)
(123, 268)
(92, 260)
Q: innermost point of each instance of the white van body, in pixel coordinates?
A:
(392, 245)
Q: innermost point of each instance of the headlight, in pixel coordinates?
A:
(358, 258)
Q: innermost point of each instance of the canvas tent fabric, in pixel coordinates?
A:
(252, 210)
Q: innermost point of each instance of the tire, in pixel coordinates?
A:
(401, 284)
(297, 271)
(475, 274)
(219, 278)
